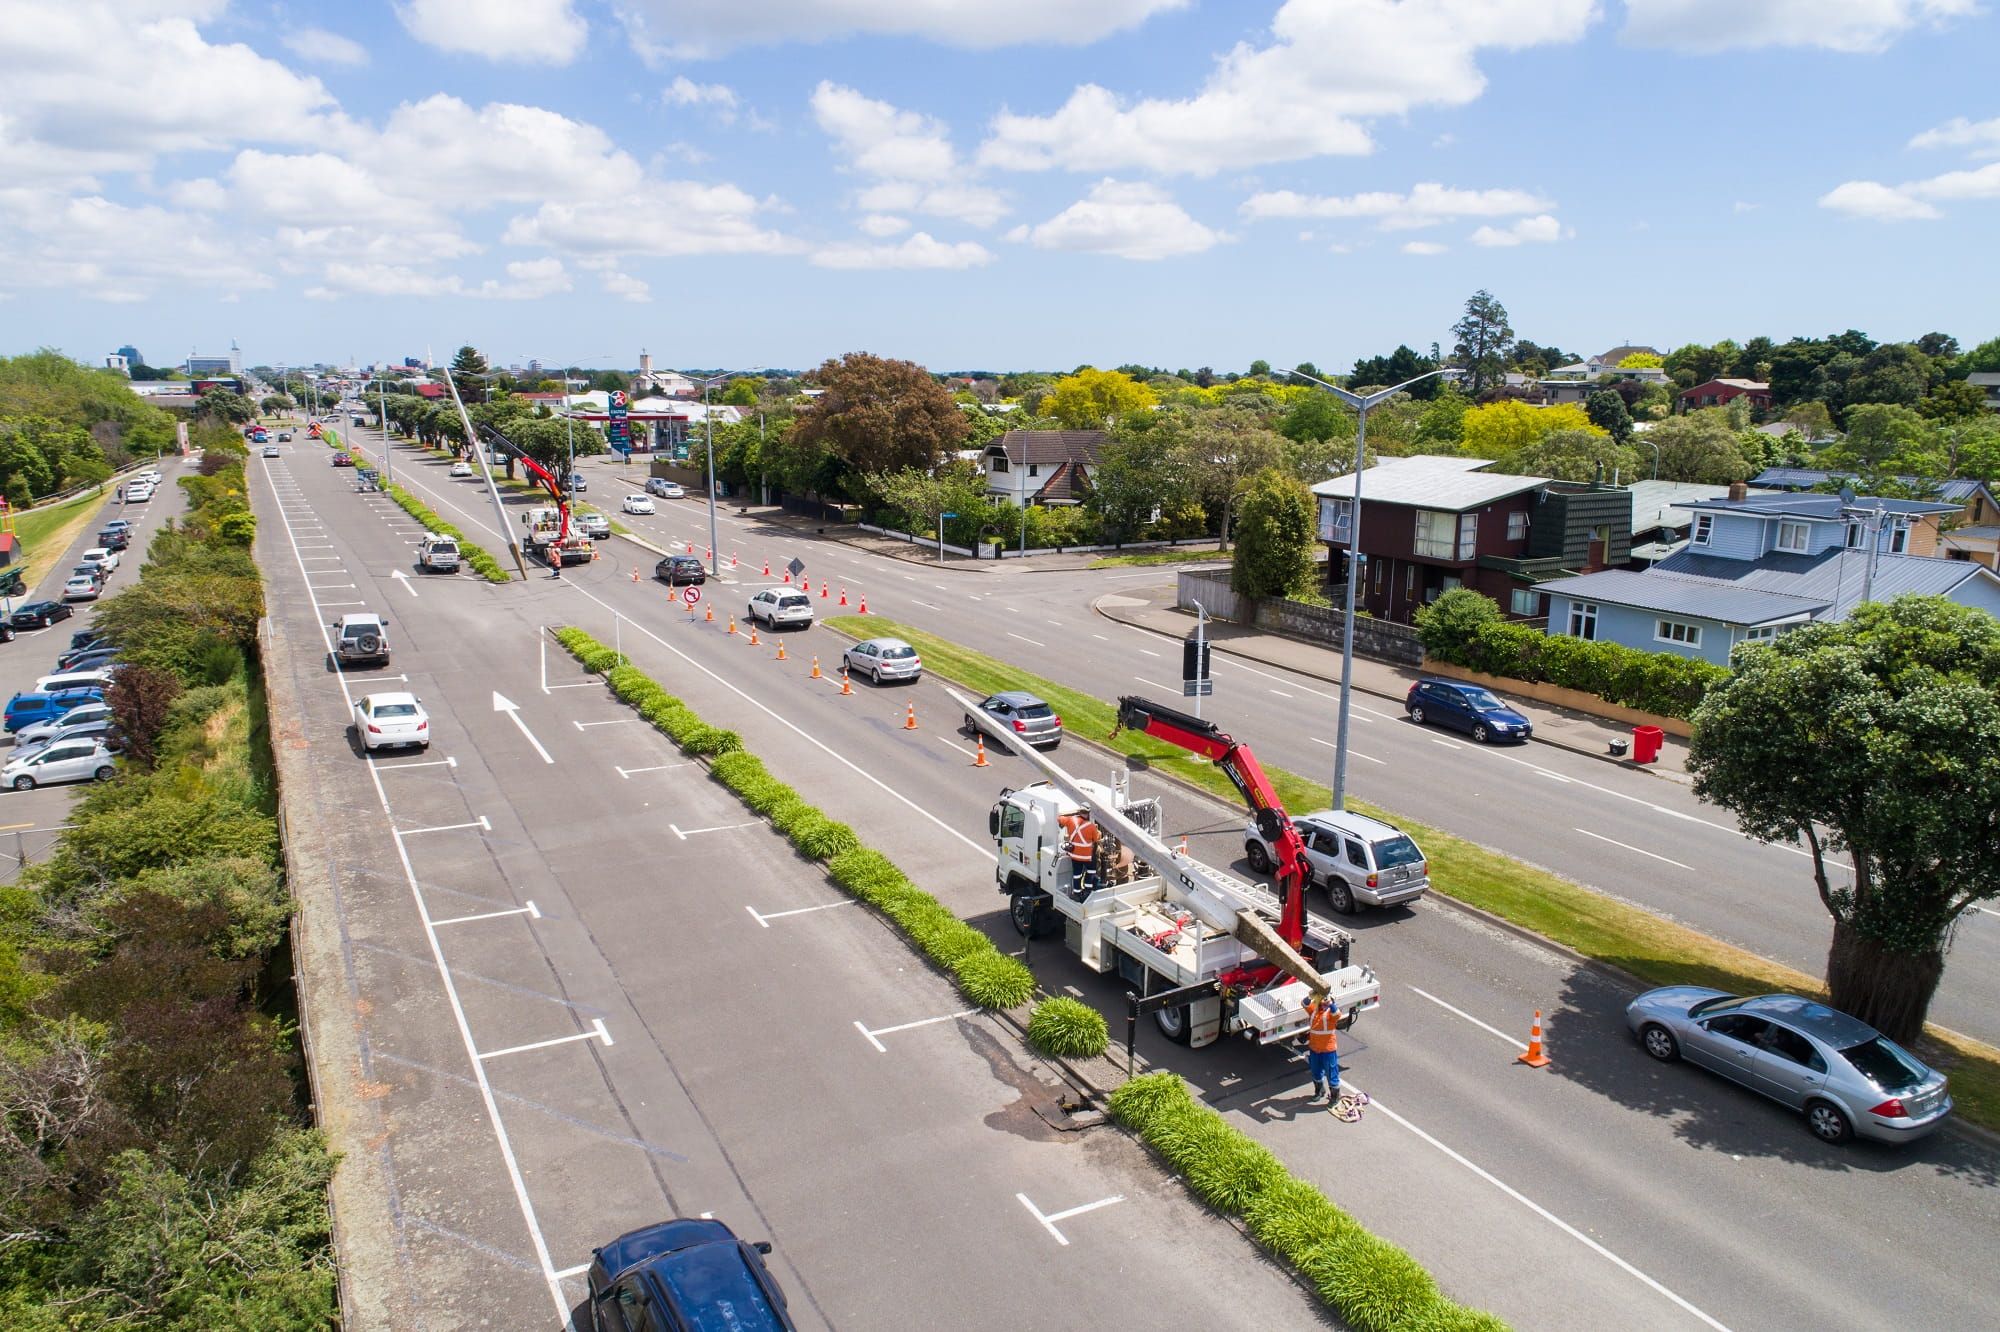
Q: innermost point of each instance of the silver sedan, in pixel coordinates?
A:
(1848, 1078)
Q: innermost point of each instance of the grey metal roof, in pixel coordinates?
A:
(1984, 532)
(1430, 481)
(1826, 508)
(1834, 577)
(1701, 599)
(1657, 550)
(1654, 503)
(1956, 489)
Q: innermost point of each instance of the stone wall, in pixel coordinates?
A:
(1376, 639)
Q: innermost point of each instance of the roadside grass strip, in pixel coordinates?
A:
(478, 557)
(1647, 947)
(985, 975)
(1370, 1283)
(1185, 555)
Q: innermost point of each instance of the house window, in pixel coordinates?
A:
(1034, 469)
(1761, 634)
(1338, 512)
(1583, 619)
(1899, 538)
(1854, 534)
(1517, 525)
(1409, 580)
(1468, 536)
(1381, 569)
(1525, 601)
(1792, 537)
(1678, 631)
(1434, 534)
(999, 463)
(1704, 528)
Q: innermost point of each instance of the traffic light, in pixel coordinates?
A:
(1194, 659)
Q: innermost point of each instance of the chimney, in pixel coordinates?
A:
(1738, 491)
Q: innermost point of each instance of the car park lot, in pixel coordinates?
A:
(1635, 1193)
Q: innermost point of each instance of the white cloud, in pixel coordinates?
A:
(533, 32)
(96, 249)
(1836, 25)
(882, 226)
(1332, 66)
(1868, 198)
(526, 280)
(1536, 230)
(204, 194)
(918, 251)
(1131, 220)
(626, 287)
(976, 204)
(330, 47)
(1742, 206)
(1425, 205)
(1982, 137)
(659, 218)
(1424, 247)
(695, 29)
(684, 91)
(880, 139)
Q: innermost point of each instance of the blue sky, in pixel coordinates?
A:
(1038, 184)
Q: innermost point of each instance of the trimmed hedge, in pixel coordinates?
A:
(985, 975)
(1463, 627)
(479, 558)
(1370, 1283)
(1068, 1028)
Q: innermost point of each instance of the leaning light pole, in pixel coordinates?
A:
(1361, 404)
(486, 470)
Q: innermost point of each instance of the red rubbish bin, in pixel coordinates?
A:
(1646, 743)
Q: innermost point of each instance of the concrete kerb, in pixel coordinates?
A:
(1223, 646)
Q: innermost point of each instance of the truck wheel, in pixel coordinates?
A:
(1029, 909)
(1339, 896)
(1176, 1024)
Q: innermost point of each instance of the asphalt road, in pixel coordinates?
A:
(1637, 837)
(30, 821)
(1604, 1191)
(562, 985)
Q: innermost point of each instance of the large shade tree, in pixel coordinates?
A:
(1873, 739)
(878, 415)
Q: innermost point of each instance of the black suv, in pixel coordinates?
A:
(114, 539)
(681, 569)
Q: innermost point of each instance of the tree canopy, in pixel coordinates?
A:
(1484, 339)
(1275, 532)
(1502, 428)
(879, 415)
(1093, 399)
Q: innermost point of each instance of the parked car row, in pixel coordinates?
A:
(62, 728)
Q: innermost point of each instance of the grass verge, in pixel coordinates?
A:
(1184, 555)
(1373, 1285)
(985, 975)
(1654, 950)
(46, 533)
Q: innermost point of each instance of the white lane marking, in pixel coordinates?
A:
(616, 721)
(1469, 1018)
(685, 833)
(1100, 638)
(1546, 1215)
(598, 1033)
(529, 910)
(557, 1296)
(339, 603)
(925, 604)
(765, 920)
(479, 823)
(501, 703)
(1448, 744)
(581, 1268)
(428, 763)
(960, 748)
(1048, 1222)
(1025, 639)
(1148, 652)
(1055, 623)
(1350, 749)
(404, 579)
(1615, 842)
(1279, 692)
(1154, 683)
(922, 1022)
(626, 773)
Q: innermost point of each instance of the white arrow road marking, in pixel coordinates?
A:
(404, 579)
(501, 703)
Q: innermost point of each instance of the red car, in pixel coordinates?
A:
(342, 460)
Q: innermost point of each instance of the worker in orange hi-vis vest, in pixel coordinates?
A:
(1082, 845)
(1323, 1048)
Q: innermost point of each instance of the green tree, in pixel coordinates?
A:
(468, 371)
(1483, 340)
(1260, 367)
(1574, 455)
(1699, 446)
(922, 496)
(225, 406)
(1448, 625)
(1954, 400)
(1502, 428)
(1275, 532)
(1441, 425)
(1642, 361)
(1873, 739)
(1138, 474)
(1401, 366)
(1893, 372)
(879, 415)
(1877, 434)
(1608, 413)
(740, 393)
(1317, 418)
(1093, 399)
(1220, 450)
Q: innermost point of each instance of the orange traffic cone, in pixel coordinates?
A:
(732, 624)
(1534, 1058)
(864, 603)
(822, 589)
(845, 686)
(788, 575)
(815, 674)
(690, 547)
(781, 649)
(710, 617)
(843, 594)
(767, 568)
(979, 759)
(635, 573)
(708, 555)
(1181, 850)
(753, 633)
(911, 724)
(732, 559)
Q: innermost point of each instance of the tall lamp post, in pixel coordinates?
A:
(479, 451)
(382, 421)
(1361, 404)
(708, 423)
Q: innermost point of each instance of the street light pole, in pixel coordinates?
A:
(486, 469)
(1361, 404)
(708, 424)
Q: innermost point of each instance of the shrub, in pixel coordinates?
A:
(1446, 625)
(991, 979)
(1291, 1216)
(825, 839)
(1067, 1028)
(1375, 1285)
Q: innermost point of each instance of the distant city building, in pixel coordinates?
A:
(413, 362)
(119, 362)
(199, 367)
(131, 355)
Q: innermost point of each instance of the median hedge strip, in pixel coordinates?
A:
(478, 557)
(1373, 1285)
(1068, 1028)
(985, 975)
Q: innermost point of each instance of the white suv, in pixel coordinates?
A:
(361, 638)
(1361, 862)
(777, 606)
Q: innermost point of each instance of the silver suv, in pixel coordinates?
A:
(361, 639)
(1361, 862)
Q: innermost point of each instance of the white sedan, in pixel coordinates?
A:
(82, 588)
(461, 468)
(638, 504)
(382, 720)
(102, 556)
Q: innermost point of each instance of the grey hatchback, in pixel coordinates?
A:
(1023, 713)
(1848, 1078)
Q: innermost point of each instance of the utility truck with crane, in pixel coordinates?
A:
(1206, 953)
(551, 534)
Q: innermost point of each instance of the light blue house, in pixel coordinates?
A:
(1756, 565)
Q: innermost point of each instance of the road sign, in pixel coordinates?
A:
(796, 567)
(1197, 689)
(692, 596)
(947, 515)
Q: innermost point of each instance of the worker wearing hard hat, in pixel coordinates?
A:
(1323, 1048)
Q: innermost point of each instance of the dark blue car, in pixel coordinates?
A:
(1466, 707)
(684, 1275)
